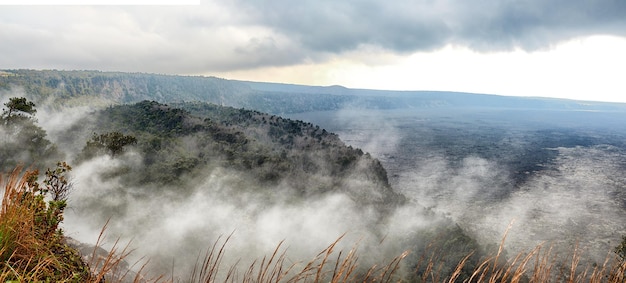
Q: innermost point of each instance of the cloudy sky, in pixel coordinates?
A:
(555, 48)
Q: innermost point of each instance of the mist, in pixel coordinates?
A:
(555, 177)
(58, 120)
(61, 127)
(573, 205)
(173, 228)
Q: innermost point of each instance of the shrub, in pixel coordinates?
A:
(32, 247)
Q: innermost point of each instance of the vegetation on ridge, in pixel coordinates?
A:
(22, 140)
(32, 246)
(74, 88)
(267, 148)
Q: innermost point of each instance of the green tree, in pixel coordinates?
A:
(18, 107)
(23, 140)
(112, 143)
(57, 186)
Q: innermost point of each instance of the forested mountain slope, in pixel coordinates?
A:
(129, 157)
(185, 140)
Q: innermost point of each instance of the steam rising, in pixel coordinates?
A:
(574, 203)
(577, 200)
(176, 225)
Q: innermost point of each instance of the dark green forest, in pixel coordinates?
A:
(268, 148)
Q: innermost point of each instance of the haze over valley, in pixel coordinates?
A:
(557, 175)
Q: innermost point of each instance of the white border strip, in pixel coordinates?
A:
(99, 2)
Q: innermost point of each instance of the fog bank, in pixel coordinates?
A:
(173, 226)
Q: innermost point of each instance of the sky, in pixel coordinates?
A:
(560, 48)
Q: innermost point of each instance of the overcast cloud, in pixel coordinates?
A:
(407, 26)
(336, 42)
(235, 35)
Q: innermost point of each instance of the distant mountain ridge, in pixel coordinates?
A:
(106, 88)
(425, 98)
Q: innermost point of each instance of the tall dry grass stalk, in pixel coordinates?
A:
(539, 265)
(546, 268)
(30, 256)
(25, 257)
(327, 266)
(111, 267)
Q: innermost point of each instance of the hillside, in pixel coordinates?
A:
(74, 88)
(77, 88)
(259, 163)
(268, 149)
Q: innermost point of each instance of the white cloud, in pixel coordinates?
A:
(586, 68)
(325, 43)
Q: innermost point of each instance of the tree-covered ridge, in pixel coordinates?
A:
(274, 159)
(22, 140)
(115, 87)
(104, 88)
(268, 149)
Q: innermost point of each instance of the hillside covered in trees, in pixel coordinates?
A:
(184, 141)
(148, 150)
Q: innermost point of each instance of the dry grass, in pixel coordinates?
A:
(327, 266)
(27, 257)
(539, 265)
(30, 254)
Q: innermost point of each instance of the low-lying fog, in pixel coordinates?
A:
(558, 175)
(173, 229)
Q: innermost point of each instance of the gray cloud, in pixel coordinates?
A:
(333, 26)
(147, 39)
(236, 35)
